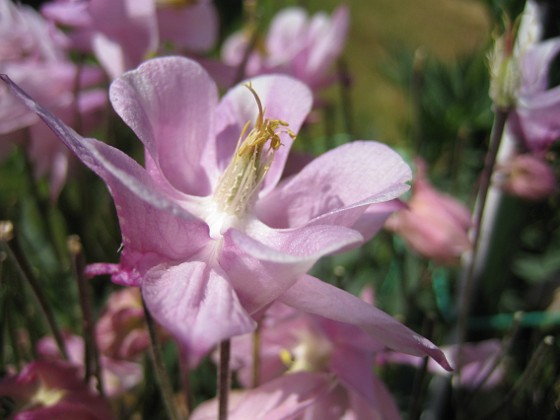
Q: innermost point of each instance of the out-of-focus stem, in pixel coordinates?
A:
(161, 375)
(250, 9)
(91, 356)
(533, 368)
(507, 343)
(256, 357)
(469, 277)
(11, 246)
(345, 84)
(224, 379)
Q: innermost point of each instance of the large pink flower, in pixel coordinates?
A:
(123, 33)
(209, 233)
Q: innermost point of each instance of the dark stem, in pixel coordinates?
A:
(44, 209)
(162, 377)
(507, 343)
(15, 254)
(250, 7)
(533, 368)
(420, 376)
(256, 356)
(224, 379)
(469, 278)
(91, 356)
(186, 404)
(345, 84)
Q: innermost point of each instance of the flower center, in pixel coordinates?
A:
(46, 397)
(311, 354)
(239, 185)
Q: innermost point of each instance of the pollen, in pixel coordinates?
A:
(254, 153)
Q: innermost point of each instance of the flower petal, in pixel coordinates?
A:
(169, 103)
(337, 187)
(196, 304)
(151, 220)
(282, 398)
(279, 267)
(282, 97)
(194, 27)
(310, 294)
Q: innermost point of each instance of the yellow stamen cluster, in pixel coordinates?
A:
(251, 161)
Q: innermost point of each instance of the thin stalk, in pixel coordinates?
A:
(507, 343)
(256, 356)
(224, 379)
(345, 84)
(250, 7)
(420, 376)
(11, 246)
(44, 209)
(185, 407)
(469, 278)
(533, 368)
(162, 378)
(91, 354)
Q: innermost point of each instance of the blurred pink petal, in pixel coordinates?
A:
(299, 45)
(527, 176)
(53, 390)
(434, 224)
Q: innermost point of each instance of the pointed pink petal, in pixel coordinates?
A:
(169, 103)
(279, 267)
(314, 296)
(196, 304)
(282, 97)
(337, 187)
(151, 220)
(193, 27)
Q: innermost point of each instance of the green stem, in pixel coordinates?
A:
(470, 276)
(162, 377)
(91, 356)
(224, 379)
(11, 246)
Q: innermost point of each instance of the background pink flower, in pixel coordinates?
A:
(296, 44)
(434, 224)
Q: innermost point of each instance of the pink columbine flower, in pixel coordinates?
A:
(535, 119)
(124, 33)
(297, 44)
(527, 176)
(118, 376)
(33, 52)
(51, 390)
(434, 224)
(209, 233)
(121, 330)
(298, 350)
